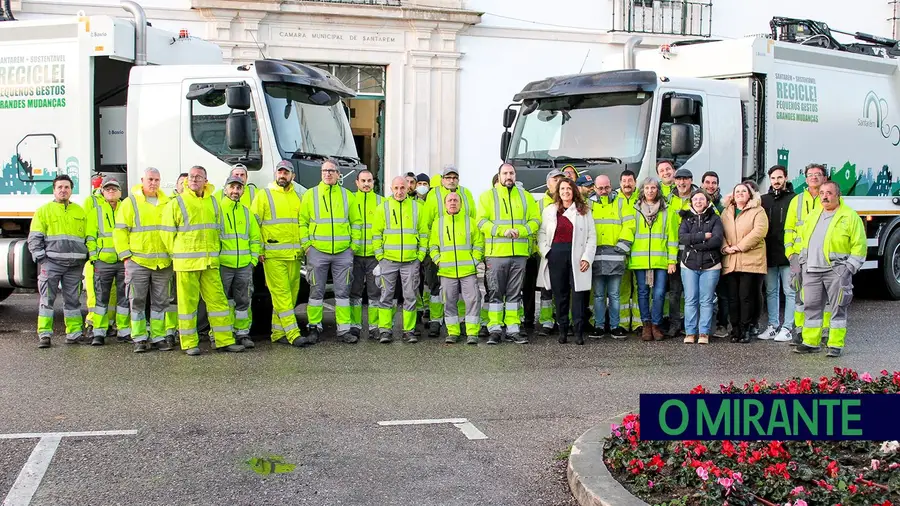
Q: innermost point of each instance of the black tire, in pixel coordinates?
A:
(890, 266)
(5, 292)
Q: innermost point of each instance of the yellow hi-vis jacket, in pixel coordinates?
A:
(652, 246)
(399, 234)
(502, 209)
(456, 245)
(845, 238)
(325, 219)
(801, 206)
(191, 228)
(277, 210)
(676, 205)
(366, 205)
(101, 221)
(434, 204)
(138, 226)
(239, 237)
(58, 234)
(613, 237)
(542, 203)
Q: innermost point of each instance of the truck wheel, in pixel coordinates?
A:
(890, 266)
(5, 292)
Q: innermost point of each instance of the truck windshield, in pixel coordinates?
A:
(604, 125)
(304, 128)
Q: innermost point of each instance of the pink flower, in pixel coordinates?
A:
(893, 466)
(701, 472)
(866, 377)
(725, 482)
(738, 477)
(875, 464)
(650, 484)
(799, 502)
(797, 491)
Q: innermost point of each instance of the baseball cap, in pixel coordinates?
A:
(683, 173)
(233, 179)
(110, 181)
(449, 169)
(423, 178)
(553, 173)
(584, 180)
(284, 164)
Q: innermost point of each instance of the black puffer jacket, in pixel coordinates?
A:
(701, 253)
(776, 205)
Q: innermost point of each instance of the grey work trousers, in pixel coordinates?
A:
(341, 267)
(451, 290)
(364, 281)
(832, 290)
(407, 273)
(140, 283)
(104, 276)
(431, 278)
(52, 276)
(236, 283)
(505, 276)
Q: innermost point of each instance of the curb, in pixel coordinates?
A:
(589, 480)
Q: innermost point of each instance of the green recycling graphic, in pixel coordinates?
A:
(19, 178)
(853, 182)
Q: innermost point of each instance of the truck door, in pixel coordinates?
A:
(697, 161)
(203, 137)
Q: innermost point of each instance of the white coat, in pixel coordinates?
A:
(584, 245)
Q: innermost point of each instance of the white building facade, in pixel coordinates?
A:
(434, 76)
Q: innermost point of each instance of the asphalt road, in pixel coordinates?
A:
(200, 419)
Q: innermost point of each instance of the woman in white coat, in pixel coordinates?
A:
(567, 241)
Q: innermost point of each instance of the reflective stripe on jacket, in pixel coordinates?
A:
(845, 238)
(652, 247)
(138, 224)
(277, 211)
(325, 219)
(240, 236)
(399, 234)
(58, 233)
(613, 240)
(502, 209)
(798, 212)
(101, 221)
(434, 204)
(191, 228)
(456, 245)
(366, 206)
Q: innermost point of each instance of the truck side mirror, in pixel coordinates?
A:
(237, 131)
(238, 97)
(505, 139)
(682, 139)
(509, 117)
(679, 107)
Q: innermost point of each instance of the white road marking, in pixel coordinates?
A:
(34, 435)
(468, 429)
(32, 473)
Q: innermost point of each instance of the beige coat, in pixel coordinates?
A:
(748, 234)
(584, 245)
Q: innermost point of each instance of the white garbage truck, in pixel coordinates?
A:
(735, 107)
(91, 95)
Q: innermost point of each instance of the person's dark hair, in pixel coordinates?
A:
(505, 163)
(752, 185)
(710, 173)
(837, 187)
(63, 177)
(360, 173)
(662, 161)
(495, 179)
(816, 166)
(577, 199)
(627, 172)
(745, 184)
(410, 174)
(183, 174)
(200, 167)
(775, 168)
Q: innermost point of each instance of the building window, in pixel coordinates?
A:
(666, 17)
(208, 114)
(366, 80)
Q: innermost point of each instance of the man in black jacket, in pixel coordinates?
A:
(778, 278)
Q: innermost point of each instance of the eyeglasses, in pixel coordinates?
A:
(326, 171)
(815, 174)
(604, 187)
(197, 178)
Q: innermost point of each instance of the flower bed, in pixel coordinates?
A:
(776, 473)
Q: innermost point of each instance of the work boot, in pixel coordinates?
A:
(520, 338)
(703, 339)
(162, 346)
(141, 346)
(657, 332)
(721, 331)
(126, 339)
(472, 340)
(674, 327)
(98, 341)
(89, 329)
(618, 333)
(301, 342)
(385, 337)
(44, 342)
(689, 339)
(647, 332)
(834, 352)
(193, 352)
(233, 348)
(543, 331)
(74, 340)
(111, 331)
(483, 332)
(746, 336)
(579, 335)
(410, 337)
(805, 348)
(247, 343)
(450, 339)
(494, 338)
(563, 333)
(434, 329)
(797, 337)
(355, 332)
(349, 338)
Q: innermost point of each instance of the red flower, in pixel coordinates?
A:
(699, 390)
(728, 448)
(700, 449)
(635, 466)
(657, 462)
(852, 488)
(779, 469)
(755, 456)
(776, 450)
(832, 469)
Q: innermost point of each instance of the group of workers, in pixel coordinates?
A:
(152, 257)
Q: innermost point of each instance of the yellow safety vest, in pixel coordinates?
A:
(399, 233)
(240, 236)
(653, 247)
(277, 210)
(845, 238)
(138, 226)
(367, 205)
(456, 245)
(325, 219)
(58, 234)
(100, 225)
(801, 206)
(192, 225)
(502, 209)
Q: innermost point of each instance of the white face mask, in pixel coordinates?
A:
(422, 190)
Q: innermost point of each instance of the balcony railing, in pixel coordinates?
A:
(664, 17)
(392, 3)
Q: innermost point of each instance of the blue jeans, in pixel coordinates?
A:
(774, 277)
(699, 298)
(659, 293)
(606, 286)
